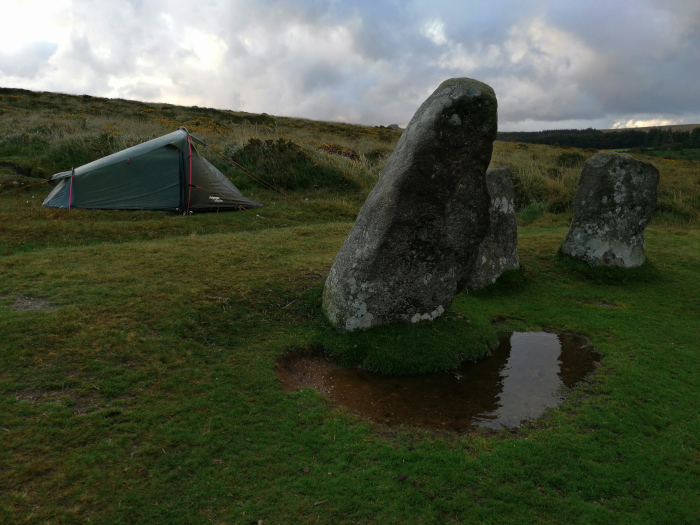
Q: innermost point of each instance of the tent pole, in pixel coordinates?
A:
(189, 193)
(70, 191)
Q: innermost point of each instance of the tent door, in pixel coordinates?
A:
(183, 181)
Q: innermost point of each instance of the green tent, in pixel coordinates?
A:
(166, 173)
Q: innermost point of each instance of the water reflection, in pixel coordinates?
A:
(526, 374)
(529, 381)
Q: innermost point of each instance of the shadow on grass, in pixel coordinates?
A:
(509, 283)
(609, 275)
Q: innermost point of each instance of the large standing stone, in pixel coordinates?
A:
(499, 249)
(614, 202)
(417, 234)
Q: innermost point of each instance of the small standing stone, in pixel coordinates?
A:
(499, 250)
(614, 202)
(418, 233)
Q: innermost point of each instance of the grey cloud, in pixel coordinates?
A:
(374, 62)
(376, 42)
(27, 60)
(652, 50)
(321, 77)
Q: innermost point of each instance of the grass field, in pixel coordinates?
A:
(684, 154)
(145, 391)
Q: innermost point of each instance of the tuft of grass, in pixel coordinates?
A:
(405, 349)
(375, 155)
(531, 213)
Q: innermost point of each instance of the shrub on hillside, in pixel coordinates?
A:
(570, 159)
(287, 165)
(337, 149)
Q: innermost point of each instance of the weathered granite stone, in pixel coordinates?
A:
(417, 234)
(614, 202)
(499, 249)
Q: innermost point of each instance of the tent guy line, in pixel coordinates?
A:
(235, 164)
(240, 168)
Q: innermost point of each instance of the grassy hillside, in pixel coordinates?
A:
(44, 133)
(138, 349)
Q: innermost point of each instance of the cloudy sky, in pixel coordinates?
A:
(553, 63)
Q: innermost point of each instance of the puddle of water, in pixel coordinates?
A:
(526, 374)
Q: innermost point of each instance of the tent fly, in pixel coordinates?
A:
(166, 173)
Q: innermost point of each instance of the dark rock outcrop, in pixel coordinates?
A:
(499, 249)
(418, 233)
(614, 202)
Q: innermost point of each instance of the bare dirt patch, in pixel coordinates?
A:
(79, 403)
(22, 303)
(304, 369)
(602, 303)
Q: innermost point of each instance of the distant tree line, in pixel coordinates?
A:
(659, 138)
